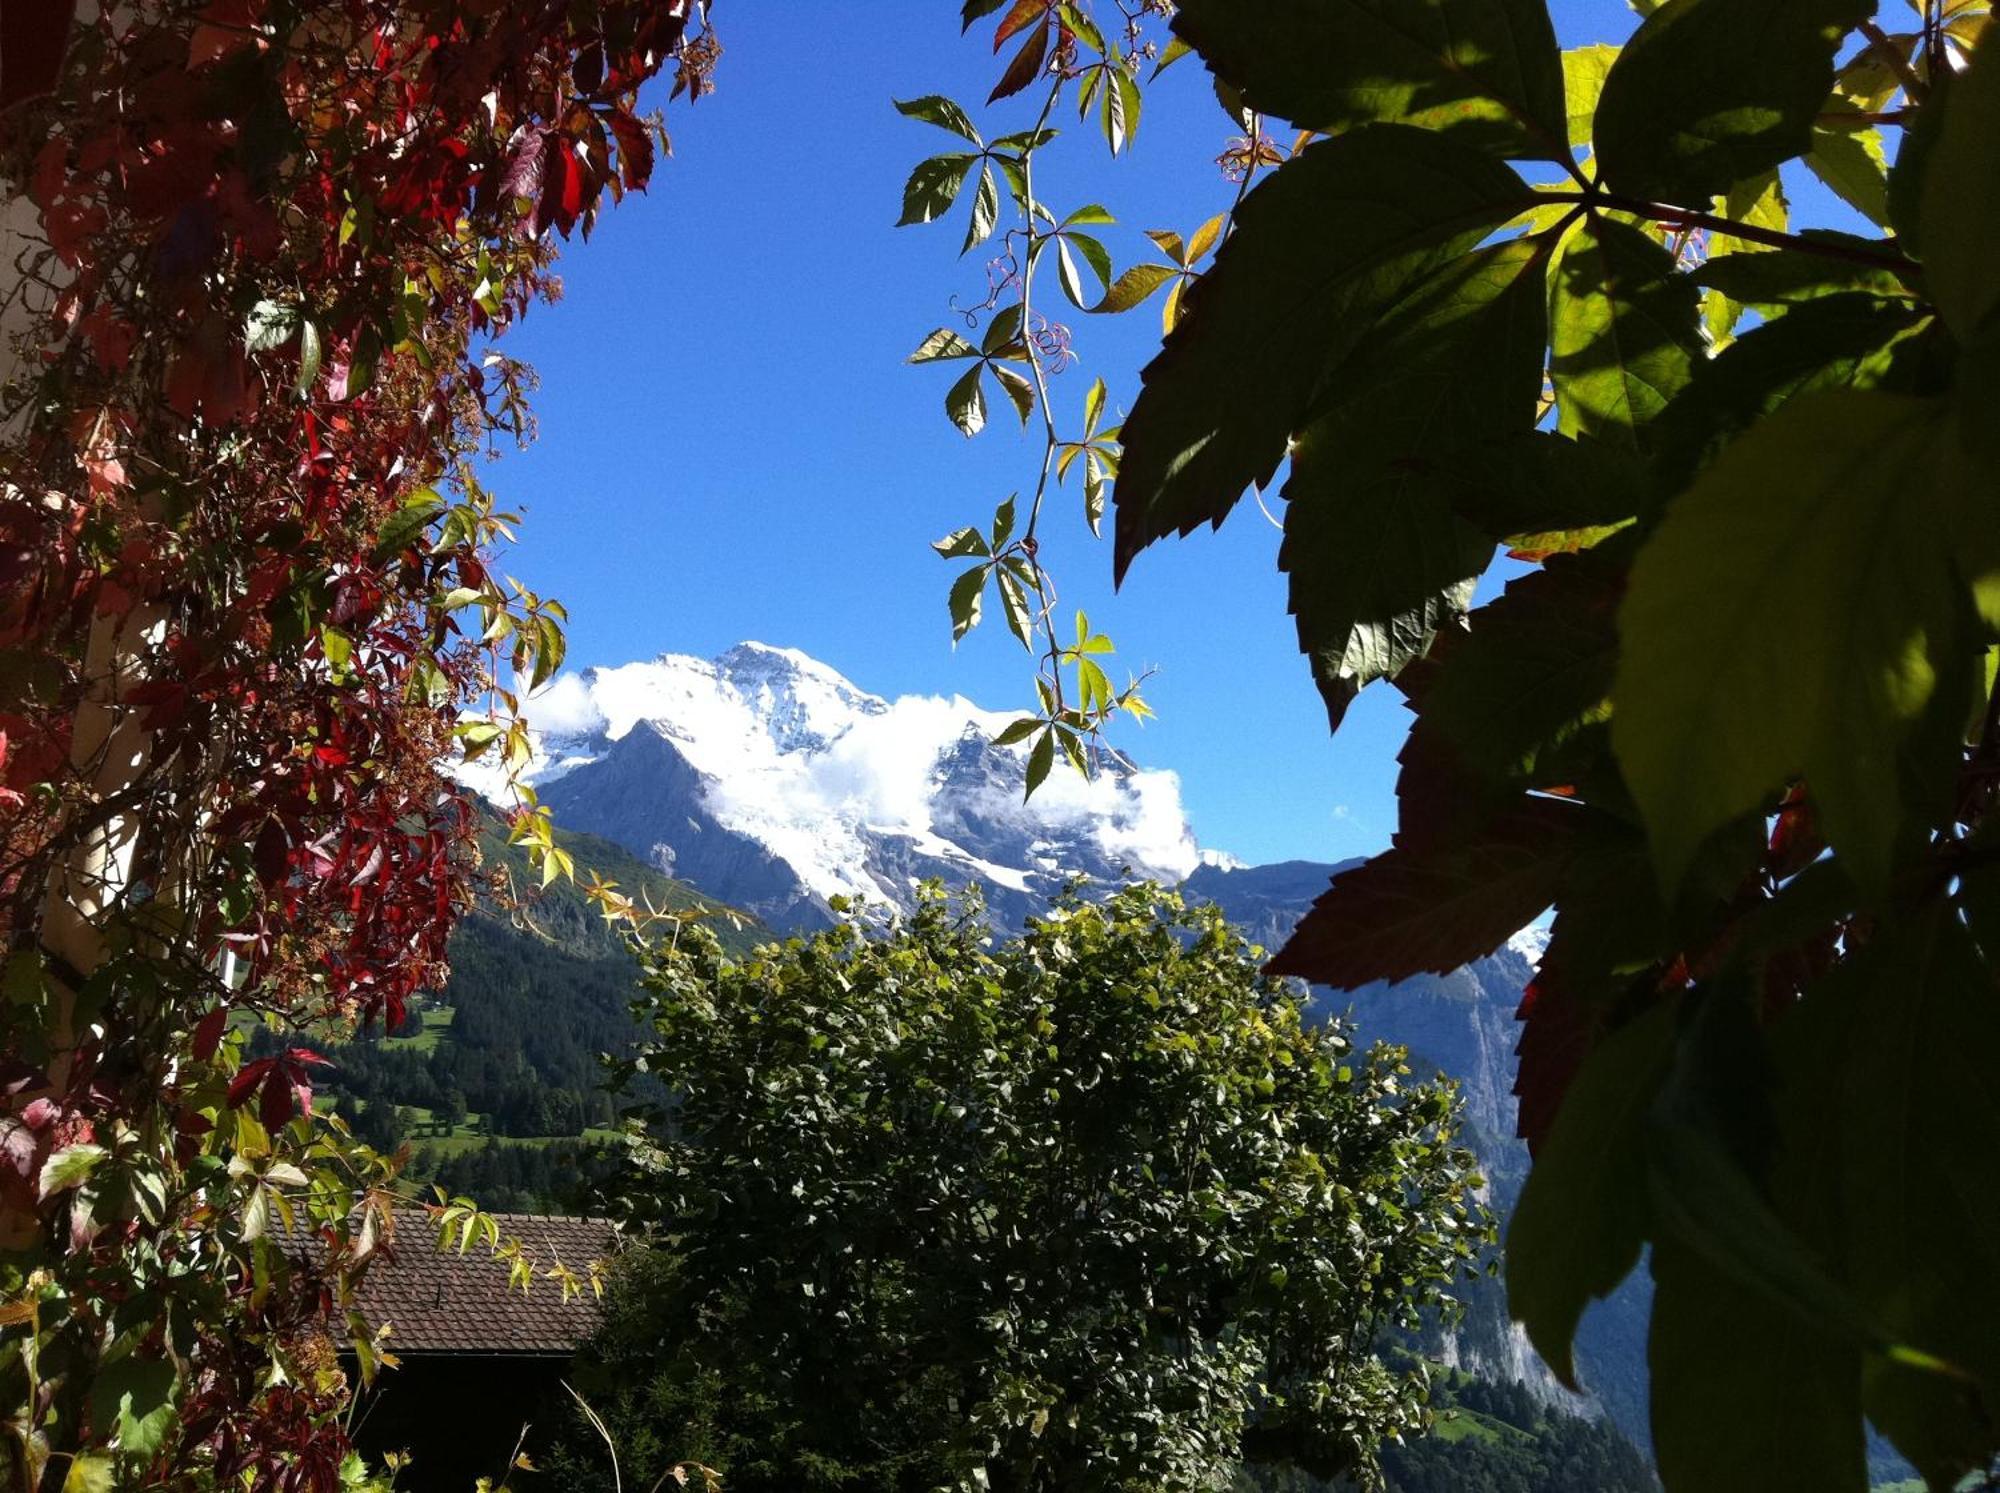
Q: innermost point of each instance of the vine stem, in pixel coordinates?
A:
(1878, 41)
(1044, 593)
(1681, 217)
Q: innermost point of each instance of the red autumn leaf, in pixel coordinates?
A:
(569, 177)
(247, 1078)
(1556, 1036)
(1023, 15)
(1433, 908)
(1026, 66)
(274, 1106)
(635, 149)
(208, 1035)
(1795, 840)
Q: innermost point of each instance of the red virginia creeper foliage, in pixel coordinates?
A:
(266, 245)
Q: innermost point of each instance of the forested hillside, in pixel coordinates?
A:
(496, 1080)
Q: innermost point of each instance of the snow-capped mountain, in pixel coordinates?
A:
(772, 782)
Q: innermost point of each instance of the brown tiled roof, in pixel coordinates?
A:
(441, 1301)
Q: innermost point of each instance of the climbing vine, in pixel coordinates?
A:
(262, 251)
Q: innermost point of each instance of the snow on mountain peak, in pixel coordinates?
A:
(823, 774)
(1531, 943)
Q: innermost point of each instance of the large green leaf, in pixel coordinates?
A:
(1960, 203)
(1791, 615)
(1846, 340)
(1487, 72)
(1853, 164)
(1746, 1396)
(135, 1397)
(1626, 331)
(1584, 72)
(1773, 283)
(1533, 671)
(1577, 1231)
(1378, 558)
(1885, 1069)
(1542, 483)
(1708, 92)
(1321, 249)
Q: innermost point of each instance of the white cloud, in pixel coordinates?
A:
(565, 707)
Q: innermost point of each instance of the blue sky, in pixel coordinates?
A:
(731, 445)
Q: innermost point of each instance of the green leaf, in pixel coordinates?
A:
(1774, 282)
(935, 109)
(933, 187)
(1960, 201)
(1884, 1072)
(269, 326)
(1040, 760)
(1094, 254)
(1584, 72)
(1322, 247)
(1017, 389)
(965, 402)
(1003, 332)
(1709, 92)
(964, 601)
(310, 354)
(69, 1167)
(1533, 671)
(1830, 342)
(91, 1472)
(962, 544)
(1066, 273)
(403, 526)
(1134, 286)
(1756, 202)
(1853, 164)
(1017, 731)
(941, 344)
(1003, 522)
(1626, 332)
(1578, 1228)
(1378, 559)
(1129, 102)
(1910, 173)
(1792, 614)
(1542, 483)
(1014, 606)
(135, 1397)
(1486, 72)
(985, 211)
(1744, 1393)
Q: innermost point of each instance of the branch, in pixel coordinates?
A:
(1899, 265)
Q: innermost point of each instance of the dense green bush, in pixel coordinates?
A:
(1091, 1207)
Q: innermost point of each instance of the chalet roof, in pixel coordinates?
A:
(442, 1301)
